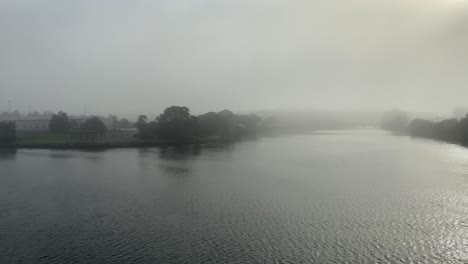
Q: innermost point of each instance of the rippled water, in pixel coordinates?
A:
(332, 197)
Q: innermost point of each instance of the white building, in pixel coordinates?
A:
(32, 125)
(42, 124)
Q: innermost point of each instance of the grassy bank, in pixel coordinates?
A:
(64, 141)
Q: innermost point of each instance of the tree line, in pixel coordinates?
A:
(61, 123)
(451, 130)
(176, 123)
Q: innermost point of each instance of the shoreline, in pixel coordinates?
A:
(109, 145)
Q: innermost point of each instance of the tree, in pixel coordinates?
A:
(114, 121)
(124, 123)
(422, 128)
(94, 125)
(59, 123)
(227, 123)
(463, 126)
(141, 122)
(142, 126)
(7, 132)
(175, 114)
(448, 130)
(210, 124)
(177, 123)
(145, 130)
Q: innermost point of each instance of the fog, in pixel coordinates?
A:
(131, 57)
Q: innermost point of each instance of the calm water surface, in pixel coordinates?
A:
(332, 197)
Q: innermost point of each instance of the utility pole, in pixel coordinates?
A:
(9, 110)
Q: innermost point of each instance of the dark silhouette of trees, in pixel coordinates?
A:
(422, 128)
(94, 125)
(7, 132)
(59, 123)
(141, 122)
(210, 124)
(146, 130)
(463, 126)
(124, 123)
(114, 121)
(447, 130)
(227, 123)
(176, 123)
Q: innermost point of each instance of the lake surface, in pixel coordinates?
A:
(330, 197)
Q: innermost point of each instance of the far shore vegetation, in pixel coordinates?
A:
(448, 130)
(174, 126)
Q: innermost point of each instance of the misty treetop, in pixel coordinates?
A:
(124, 123)
(62, 123)
(94, 125)
(59, 123)
(177, 123)
(451, 130)
(395, 121)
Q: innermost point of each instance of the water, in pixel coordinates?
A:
(332, 197)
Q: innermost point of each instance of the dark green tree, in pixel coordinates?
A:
(124, 123)
(7, 132)
(210, 124)
(177, 123)
(141, 122)
(422, 128)
(146, 130)
(114, 121)
(94, 125)
(59, 123)
(463, 126)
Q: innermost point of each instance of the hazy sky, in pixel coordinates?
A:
(130, 57)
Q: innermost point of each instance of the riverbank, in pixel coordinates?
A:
(108, 144)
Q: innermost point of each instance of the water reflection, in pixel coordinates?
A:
(184, 152)
(303, 199)
(176, 170)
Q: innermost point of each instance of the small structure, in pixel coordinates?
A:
(32, 125)
(42, 125)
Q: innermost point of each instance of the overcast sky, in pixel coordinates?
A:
(130, 57)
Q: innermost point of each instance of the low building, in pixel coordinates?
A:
(42, 124)
(32, 125)
(76, 123)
